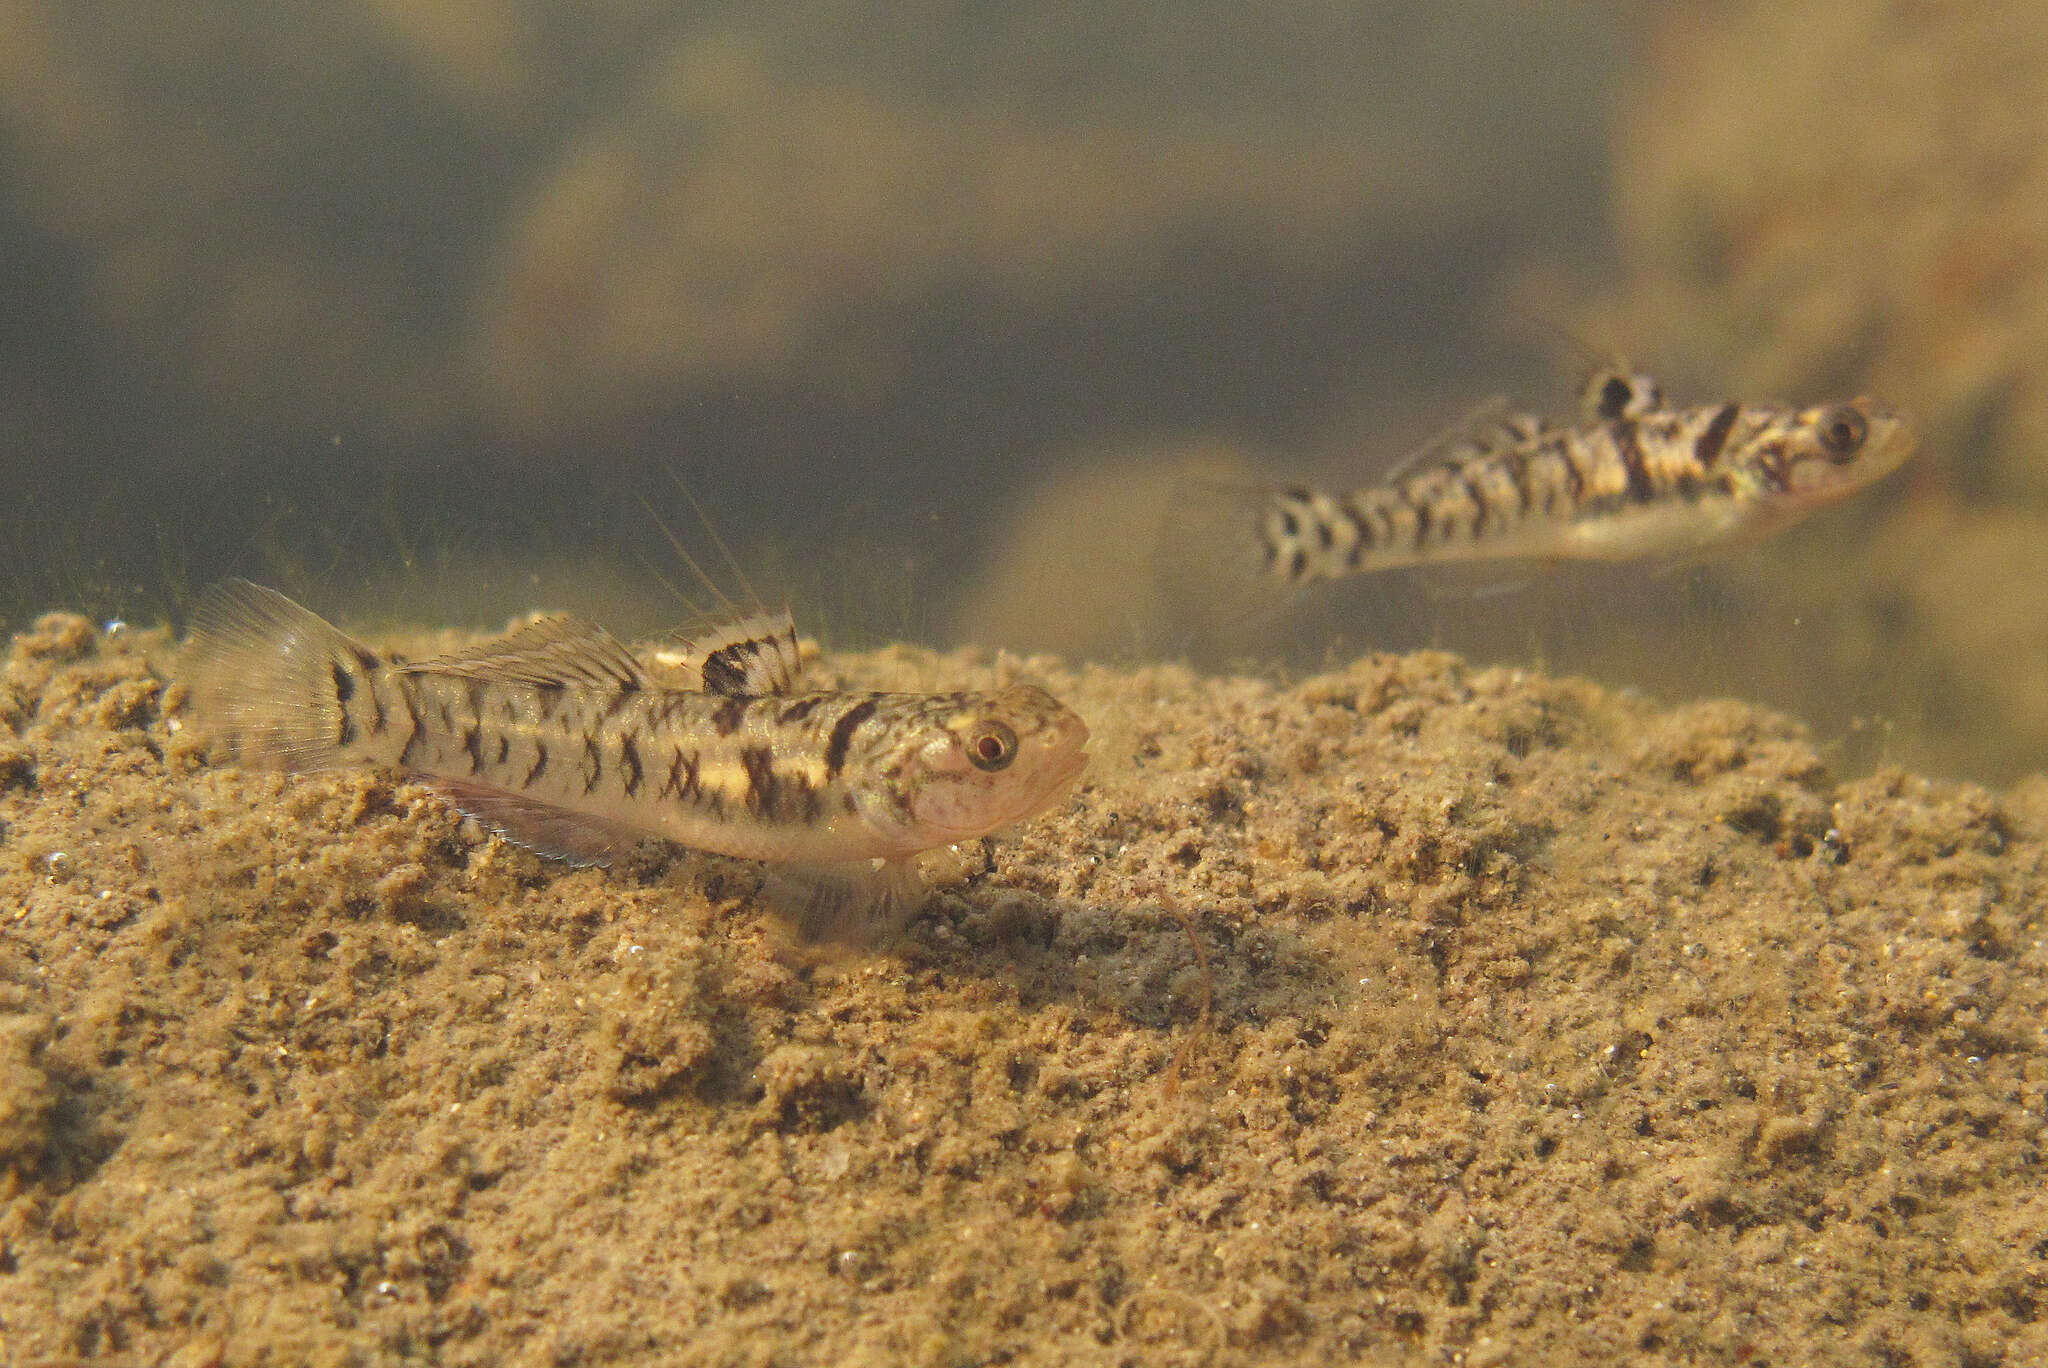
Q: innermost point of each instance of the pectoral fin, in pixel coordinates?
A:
(857, 903)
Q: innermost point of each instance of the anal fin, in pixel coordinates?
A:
(553, 831)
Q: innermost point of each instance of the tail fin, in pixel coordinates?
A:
(1213, 564)
(275, 678)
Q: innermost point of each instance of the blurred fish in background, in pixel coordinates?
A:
(413, 302)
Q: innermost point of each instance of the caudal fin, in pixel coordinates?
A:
(276, 679)
(1213, 564)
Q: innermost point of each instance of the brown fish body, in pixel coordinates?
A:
(1634, 478)
(555, 737)
(759, 778)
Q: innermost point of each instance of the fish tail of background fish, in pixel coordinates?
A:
(1210, 538)
(1643, 482)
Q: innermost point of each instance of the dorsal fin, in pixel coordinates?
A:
(753, 656)
(1487, 427)
(1613, 390)
(546, 653)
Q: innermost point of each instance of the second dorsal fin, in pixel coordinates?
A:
(753, 656)
(1489, 426)
(546, 653)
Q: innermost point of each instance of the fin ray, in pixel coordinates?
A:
(545, 653)
(266, 670)
(855, 903)
(749, 658)
(1480, 431)
(555, 832)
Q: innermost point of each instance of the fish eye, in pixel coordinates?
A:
(991, 746)
(1843, 432)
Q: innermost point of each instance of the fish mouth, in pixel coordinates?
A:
(1068, 760)
(1892, 439)
(1057, 774)
(1061, 779)
(1896, 439)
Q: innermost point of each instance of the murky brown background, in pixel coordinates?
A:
(406, 307)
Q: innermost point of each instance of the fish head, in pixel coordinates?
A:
(1834, 450)
(981, 762)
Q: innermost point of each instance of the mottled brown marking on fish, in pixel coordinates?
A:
(418, 726)
(722, 675)
(762, 782)
(1289, 521)
(1713, 437)
(1770, 464)
(1628, 446)
(841, 740)
(1516, 464)
(1615, 394)
(796, 712)
(1574, 474)
(1478, 499)
(629, 766)
(682, 775)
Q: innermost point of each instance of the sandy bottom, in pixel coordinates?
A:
(1548, 1028)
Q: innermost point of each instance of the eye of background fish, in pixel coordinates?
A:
(992, 746)
(1842, 432)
